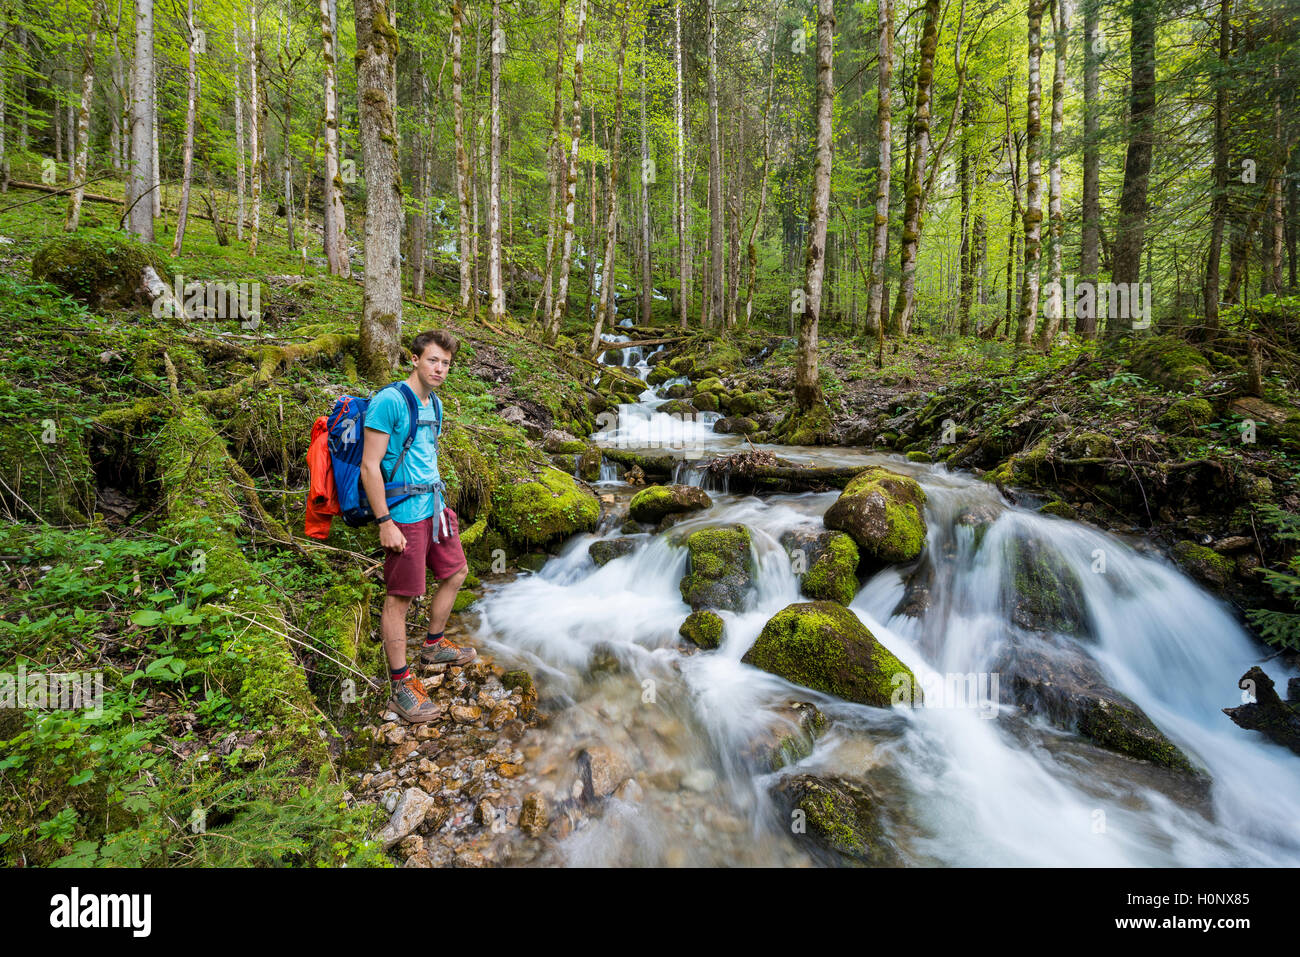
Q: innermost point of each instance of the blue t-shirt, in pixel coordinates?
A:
(388, 412)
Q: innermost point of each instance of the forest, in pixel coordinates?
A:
(835, 376)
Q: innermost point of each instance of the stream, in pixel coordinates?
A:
(964, 778)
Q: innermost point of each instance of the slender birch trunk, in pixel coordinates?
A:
(191, 114)
(561, 307)
(255, 131)
(679, 173)
(239, 142)
(611, 192)
(554, 170)
(884, 133)
(762, 176)
(496, 291)
(1085, 324)
(1055, 218)
(336, 240)
(647, 266)
(141, 209)
(82, 148)
(716, 225)
(462, 158)
(807, 388)
(1034, 181)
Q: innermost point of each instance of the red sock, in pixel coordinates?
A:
(431, 639)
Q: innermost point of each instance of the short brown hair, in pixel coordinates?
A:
(439, 337)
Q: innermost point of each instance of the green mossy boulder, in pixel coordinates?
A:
(1043, 592)
(805, 428)
(99, 272)
(703, 629)
(1170, 362)
(1185, 415)
(653, 503)
(659, 375)
(711, 384)
(916, 455)
(841, 818)
(824, 646)
(464, 598)
(735, 425)
(747, 403)
(1060, 509)
(705, 401)
(1205, 564)
(720, 569)
(883, 512)
(589, 463)
(677, 407)
(544, 510)
(606, 550)
(829, 561)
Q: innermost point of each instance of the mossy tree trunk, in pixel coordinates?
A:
(140, 220)
(81, 150)
(336, 244)
(611, 193)
(191, 113)
(381, 316)
(1033, 220)
(561, 307)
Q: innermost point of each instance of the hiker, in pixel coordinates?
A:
(418, 532)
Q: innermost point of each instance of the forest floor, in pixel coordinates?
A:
(154, 477)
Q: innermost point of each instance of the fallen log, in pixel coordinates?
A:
(608, 346)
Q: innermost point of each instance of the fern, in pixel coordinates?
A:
(1281, 628)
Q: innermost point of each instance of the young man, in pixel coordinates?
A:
(417, 532)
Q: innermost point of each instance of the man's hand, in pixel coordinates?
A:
(391, 537)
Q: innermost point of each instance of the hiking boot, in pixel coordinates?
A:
(411, 701)
(445, 653)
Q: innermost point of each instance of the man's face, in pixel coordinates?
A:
(433, 366)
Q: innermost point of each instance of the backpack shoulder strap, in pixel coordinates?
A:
(413, 414)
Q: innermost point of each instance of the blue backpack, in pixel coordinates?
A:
(346, 427)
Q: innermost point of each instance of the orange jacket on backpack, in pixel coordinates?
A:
(322, 496)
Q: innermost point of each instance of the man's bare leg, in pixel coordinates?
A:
(392, 625)
(444, 598)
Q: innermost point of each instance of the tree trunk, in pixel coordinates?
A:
(141, 208)
(734, 206)
(117, 118)
(239, 143)
(1131, 227)
(1034, 181)
(604, 306)
(807, 389)
(1055, 218)
(716, 224)
(465, 244)
(647, 266)
(884, 135)
(1277, 221)
(424, 157)
(1219, 204)
(554, 170)
(255, 130)
(153, 122)
(561, 308)
(762, 176)
(191, 113)
(381, 317)
(966, 281)
(82, 147)
(496, 290)
(679, 172)
(900, 320)
(336, 240)
(1085, 323)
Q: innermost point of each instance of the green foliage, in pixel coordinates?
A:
(1277, 627)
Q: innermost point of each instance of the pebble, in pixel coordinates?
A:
(466, 714)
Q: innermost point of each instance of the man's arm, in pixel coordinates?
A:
(372, 480)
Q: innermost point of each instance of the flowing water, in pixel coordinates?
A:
(963, 779)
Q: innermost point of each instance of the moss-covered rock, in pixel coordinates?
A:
(1043, 592)
(702, 628)
(747, 403)
(711, 384)
(720, 569)
(719, 358)
(1205, 564)
(546, 509)
(100, 272)
(1060, 509)
(839, 817)
(653, 503)
(1055, 681)
(735, 425)
(1089, 445)
(916, 455)
(1186, 414)
(824, 646)
(1170, 362)
(464, 598)
(805, 428)
(589, 463)
(659, 375)
(608, 549)
(830, 563)
(883, 512)
(677, 407)
(791, 739)
(705, 401)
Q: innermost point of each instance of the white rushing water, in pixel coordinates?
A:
(965, 779)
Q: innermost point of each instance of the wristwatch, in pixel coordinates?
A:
(383, 518)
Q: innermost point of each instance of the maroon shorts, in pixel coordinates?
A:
(404, 571)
